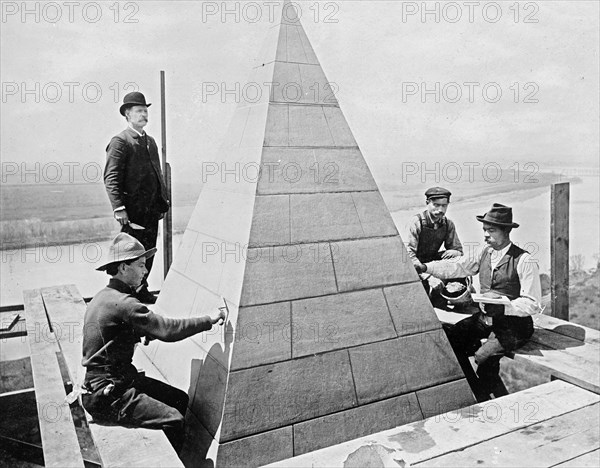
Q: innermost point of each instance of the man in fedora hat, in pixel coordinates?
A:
(114, 322)
(428, 231)
(508, 273)
(134, 180)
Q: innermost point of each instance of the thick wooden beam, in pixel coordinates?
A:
(559, 250)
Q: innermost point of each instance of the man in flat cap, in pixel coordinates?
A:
(114, 322)
(428, 231)
(509, 278)
(134, 181)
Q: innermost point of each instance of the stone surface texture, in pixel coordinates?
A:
(330, 335)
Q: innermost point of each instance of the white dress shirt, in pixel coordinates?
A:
(527, 270)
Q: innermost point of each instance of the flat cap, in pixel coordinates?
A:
(437, 192)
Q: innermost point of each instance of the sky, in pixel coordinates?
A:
(66, 66)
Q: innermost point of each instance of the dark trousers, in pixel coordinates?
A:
(465, 338)
(147, 237)
(145, 403)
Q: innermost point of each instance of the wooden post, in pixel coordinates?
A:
(166, 167)
(559, 250)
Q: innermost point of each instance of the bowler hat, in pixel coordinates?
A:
(437, 192)
(125, 247)
(133, 99)
(499, 215)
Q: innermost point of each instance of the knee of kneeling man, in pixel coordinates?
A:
(175, 418)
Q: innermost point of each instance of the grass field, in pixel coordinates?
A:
(59, 214)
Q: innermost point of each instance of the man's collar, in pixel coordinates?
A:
(442, 220)
(120, 286)
(506, 247)
(133, 129)
(499, 254)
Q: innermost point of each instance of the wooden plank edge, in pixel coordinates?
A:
(333, 455)
(49, 391)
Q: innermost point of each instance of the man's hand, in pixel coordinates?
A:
(217, 316)
(121, 216)
(419, 266)
(435, 284)
(451, 254)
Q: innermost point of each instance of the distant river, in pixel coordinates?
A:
(48, 266)
(531, 209)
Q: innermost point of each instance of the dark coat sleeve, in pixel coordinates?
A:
(147, 323)
(115, 171)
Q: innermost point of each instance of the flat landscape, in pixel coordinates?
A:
(58, 214)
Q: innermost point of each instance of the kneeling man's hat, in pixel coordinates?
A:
(499, 215)
(133, 99)
(125, 247)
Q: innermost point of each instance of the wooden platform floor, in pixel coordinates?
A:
(554, 424)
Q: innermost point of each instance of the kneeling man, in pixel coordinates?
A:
(115, 321)
(504, 270)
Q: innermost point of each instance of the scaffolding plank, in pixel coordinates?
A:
(59, 439)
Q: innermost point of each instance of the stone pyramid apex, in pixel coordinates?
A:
(330, 334)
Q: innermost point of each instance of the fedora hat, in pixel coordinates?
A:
(499, 215)
(125, 247)
(133, 99)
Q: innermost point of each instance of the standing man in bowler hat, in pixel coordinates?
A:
(134, 181)
(505, 270)
(428, 231)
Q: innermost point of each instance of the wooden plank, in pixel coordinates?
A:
(8, 321)
(454, 430)
(559, 250)
(542, 324)
(549, 339)
(546, 322)
(19, 329)
(41, 340)
(59, 439)
(66, 309)
(579, 332)
(120, 446)
(545, 444)
(562, 365)
(117, 446)
(591, 459)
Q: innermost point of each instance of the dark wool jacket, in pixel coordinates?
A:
(133, 177)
